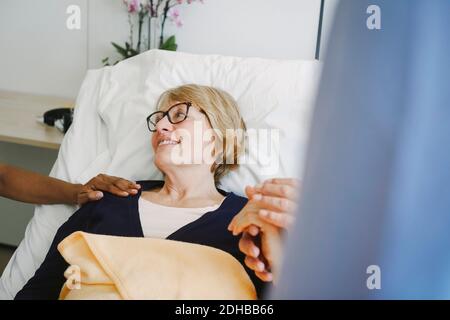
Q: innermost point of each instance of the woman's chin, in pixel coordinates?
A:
(168, 157)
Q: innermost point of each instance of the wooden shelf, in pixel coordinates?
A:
(18, 119)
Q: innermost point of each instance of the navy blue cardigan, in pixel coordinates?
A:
(119, 216)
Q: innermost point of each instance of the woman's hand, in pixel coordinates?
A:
(275, 201)
(263, 261)
(91, 191)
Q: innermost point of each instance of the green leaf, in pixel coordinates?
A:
(105, 61)
(132, 52)
(122, 51)
(170, 44)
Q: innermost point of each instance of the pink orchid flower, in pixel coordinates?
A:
(133, 5)
(174, 16)
(174, 13)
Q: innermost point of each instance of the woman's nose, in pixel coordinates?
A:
(164, 124)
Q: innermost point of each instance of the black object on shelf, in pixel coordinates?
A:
(60, 118)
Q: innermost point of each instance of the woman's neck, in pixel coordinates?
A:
(189, 183)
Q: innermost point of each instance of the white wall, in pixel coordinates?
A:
(39, 54)
(274, 29)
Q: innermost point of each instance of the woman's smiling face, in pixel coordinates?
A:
(183, 142)
(211, 134)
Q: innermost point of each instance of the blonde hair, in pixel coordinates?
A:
(222, 112)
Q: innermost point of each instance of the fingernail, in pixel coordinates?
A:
(255, 252)
(138, 186)
(263, 213)
(260, 266)
(257, 196)
(98, 195)
(259, 186)
(134, 191)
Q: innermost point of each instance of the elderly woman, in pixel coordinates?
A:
(187, 206)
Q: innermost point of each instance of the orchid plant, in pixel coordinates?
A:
(157, 13)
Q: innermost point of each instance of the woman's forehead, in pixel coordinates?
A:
(165, 105)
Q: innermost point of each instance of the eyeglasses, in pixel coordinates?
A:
(176, 114)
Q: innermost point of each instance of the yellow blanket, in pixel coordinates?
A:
(109, 267)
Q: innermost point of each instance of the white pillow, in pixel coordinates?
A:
(109, 132)
(272, 94)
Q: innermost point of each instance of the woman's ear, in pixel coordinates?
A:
(213, 149)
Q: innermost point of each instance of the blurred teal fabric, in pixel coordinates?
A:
(376, 189)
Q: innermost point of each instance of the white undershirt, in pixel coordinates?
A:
(160, 221)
